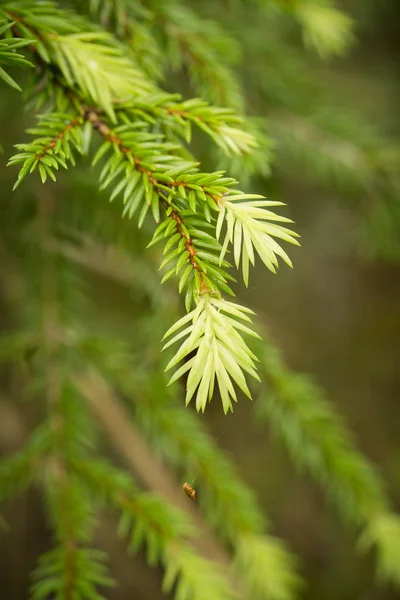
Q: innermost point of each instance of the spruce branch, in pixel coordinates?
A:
(196, 577)
(82, 53)
(204, 49)
(153, 181)
(8, 56)
(133, 24)
(139, 30)
(154, 157)
(81, 564)
(185, 252)
(71, 570)
(90, 81)
(151, 175)
(60, 134)
(18, 471)
(268, 566)
(187, 41)
(133, 151)
(382, 534)
(325, 28)
(181, 179)
(195, 254)
(117, 13)
(220, 124)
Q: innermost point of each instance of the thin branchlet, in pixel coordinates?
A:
(75, 122)
(188, 242)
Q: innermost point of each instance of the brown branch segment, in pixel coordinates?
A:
(59, 136)
(189, 247)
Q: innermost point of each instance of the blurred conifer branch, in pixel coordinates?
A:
(8, 56)
(319, 442)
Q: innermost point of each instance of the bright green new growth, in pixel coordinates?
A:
(247, 231)
(221, 355)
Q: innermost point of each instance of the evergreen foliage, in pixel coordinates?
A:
(97, 84)
(8, 56)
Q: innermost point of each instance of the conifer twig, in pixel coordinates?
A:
(53, 375)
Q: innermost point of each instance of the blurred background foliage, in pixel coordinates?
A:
(329, 133)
